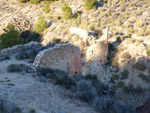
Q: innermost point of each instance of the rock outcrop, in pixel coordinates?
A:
(79, 31)
(98, 51)
(66, 57)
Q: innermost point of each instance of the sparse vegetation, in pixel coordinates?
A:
(67, 12)
(57, 40)
(89, 4)
(120, 84)
(34, 1)
(140, 66)
(57, 77)
(114, 78)
(19, 68)
(125, 55)
(40, 24)
(133, 90)
(124, 74)
(46, 9)
(114, 62)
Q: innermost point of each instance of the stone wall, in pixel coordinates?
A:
(66, 57)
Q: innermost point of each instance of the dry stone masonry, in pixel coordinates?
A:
(66, 57)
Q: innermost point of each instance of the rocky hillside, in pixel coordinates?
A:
(109, 41)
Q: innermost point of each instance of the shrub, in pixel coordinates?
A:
(29, 52)
(141, 75)
(110, 104)
(120, 84)
(114, 87)
(114, 78)
(46, 8)
(148, 52)
(139, 23)
(19, 68)
(57, 40)
(67, 12)
(114, 62)
(89, 4)
(148, 78)
(138, 89)
(10, 37)
(23, 1)
(130, 30)
(124, 74)
(119, 39)
(86, 92)
(140, 66)
(30, 36)
(128, 89)
(98, 33)
(40, 24)
(57, 77)
(34, 1)
(147, 31)
(5, 57)
(125, 55)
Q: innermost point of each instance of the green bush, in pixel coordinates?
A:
(40, 24)
(23, 1)
(119, 39)
(46, 8)
(34, 1)
(148, 52)
(10, 37)
(89, 4)
(120, 84)
(141, 75)
(67, 12)
(128, 89)
(124, 74)
(57, 40)
(114, 77)
(140, 66)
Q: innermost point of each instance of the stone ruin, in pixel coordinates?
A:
(66, 57)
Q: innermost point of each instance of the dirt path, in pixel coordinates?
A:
(28, 92)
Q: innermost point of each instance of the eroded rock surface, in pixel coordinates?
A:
(66, 57)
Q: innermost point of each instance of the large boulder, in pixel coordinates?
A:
(66, 57)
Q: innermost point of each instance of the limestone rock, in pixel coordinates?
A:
(66, 57)
(98, 51)
(78, 31)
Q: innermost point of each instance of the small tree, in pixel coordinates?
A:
(89, 4)
(10, 37)
(46, 8)
(67, 12)
(40, 24)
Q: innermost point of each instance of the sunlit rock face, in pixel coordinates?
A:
(66, 57)
(99, 50)
(79, 31)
